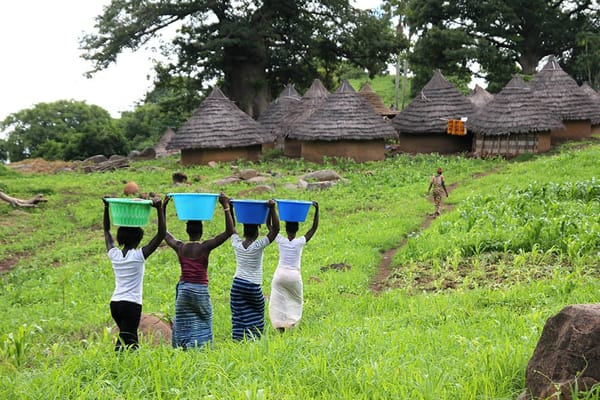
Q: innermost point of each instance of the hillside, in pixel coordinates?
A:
(457, 317)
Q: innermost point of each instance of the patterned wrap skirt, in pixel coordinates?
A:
(438, 191)
(192, 326)
(247, 310)
(285, 303)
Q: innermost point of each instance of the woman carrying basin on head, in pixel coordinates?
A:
(192, 326)
(287, 297)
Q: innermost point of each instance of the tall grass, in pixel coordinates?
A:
(469, 340)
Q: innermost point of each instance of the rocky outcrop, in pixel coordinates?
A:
(567, 356)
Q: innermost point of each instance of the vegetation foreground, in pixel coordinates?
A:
(466, 301)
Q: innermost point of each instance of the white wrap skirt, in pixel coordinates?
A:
(286, 300)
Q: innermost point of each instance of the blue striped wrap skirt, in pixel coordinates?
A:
(192, 326)
(247, 310)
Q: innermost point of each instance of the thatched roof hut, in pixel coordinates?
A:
(561, 93)
(480, 97)
(595, 96)
(513, 122)
(312, 100)
(344, 126)
(422, 125)
(590, 92)
(275, 117)
(218, 131)
(367, 92)
(161, 146)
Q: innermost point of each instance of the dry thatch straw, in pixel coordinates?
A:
(314, 97)
(595, 96)
(161, 146)
(480, 97)
(375, 101)
(277, 115)
(216, 124)
(345, 115)
(561, 93)
(590, 91)
(514, 110)
(429, 112)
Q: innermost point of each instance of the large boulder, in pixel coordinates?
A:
(567, 355)
(260, 189)
(246, 174)
(322, 176)
(155, 330)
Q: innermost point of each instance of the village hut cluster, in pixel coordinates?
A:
(521, 118)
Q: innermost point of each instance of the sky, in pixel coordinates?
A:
(41, 60)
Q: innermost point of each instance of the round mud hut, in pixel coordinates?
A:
(218, 130)
(274, 118)
(422, 126)
(312, 100)
(563, 95)
(595, 96)
(344, 126)
(514, 122)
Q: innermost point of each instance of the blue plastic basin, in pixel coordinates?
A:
(194, 206)
(251, 211)
(293, 210)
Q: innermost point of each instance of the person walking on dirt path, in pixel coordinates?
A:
(247, 301)
(439, 187)
(192, 325)
(287, 299)
(128, 265)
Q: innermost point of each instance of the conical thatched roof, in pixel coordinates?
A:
(161, 146)
(590, 91)
(314, 97)
(595, 96)
(345, 115)
(514, 110)
(217, 123)
(429, 112)
(560, 92)
(276, 115)
(480, 97)
(375, 101)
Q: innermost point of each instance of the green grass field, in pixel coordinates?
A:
(465, 302)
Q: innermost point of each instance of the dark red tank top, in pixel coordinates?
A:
(193, 270)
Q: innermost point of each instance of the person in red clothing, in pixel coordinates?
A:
(192, 326)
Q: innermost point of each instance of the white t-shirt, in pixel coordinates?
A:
(129, 274)
(290, 251)
(249, 262)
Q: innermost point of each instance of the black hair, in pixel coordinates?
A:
(194, 229)
(251, 231)
(291, 227)
(129, 236)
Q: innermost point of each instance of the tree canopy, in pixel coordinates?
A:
(252, 48)
(496, 39)
(62, 130)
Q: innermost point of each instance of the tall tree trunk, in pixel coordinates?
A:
(529, 63)
(246, 76)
